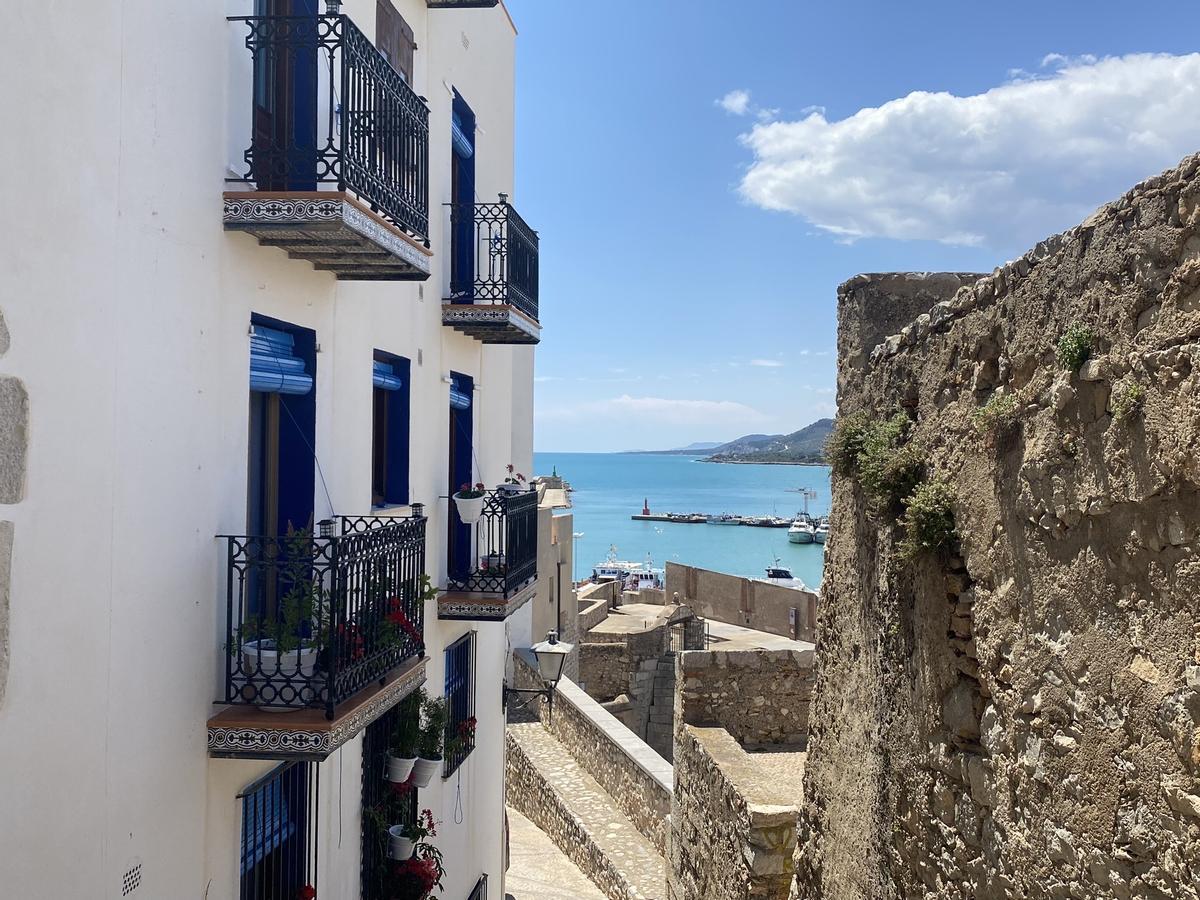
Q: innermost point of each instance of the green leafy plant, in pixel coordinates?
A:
(889, 465)
(467, 492)
(301, 614)
(1127, 398)
(928, 520)
(995, 415)
(431, 740)
(407, 733)
(845, 442)
(1075, 347)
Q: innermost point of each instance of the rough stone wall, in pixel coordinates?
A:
(761, 697)
(602, 669)
(750, 602)
(724, 844)
(636, 776)
(1017, 716)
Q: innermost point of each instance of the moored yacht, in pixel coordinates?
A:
(821, 532)
(724, 519)
(632, 575)
(801, 532)
(782, 576)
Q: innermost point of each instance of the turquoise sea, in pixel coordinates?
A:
(610, 487)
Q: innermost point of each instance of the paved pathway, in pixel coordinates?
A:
(538, 870)
(630, 852)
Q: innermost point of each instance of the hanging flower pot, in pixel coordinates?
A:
(424, 769)
(469, 502)
(398, 768)
(400, 847)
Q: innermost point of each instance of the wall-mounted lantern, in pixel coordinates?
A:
(551, 657)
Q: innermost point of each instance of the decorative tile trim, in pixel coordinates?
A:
(311, 743)
(483, 609)
(488, 315)
(375, 232)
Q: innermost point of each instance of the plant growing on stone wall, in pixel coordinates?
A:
(845, 442)
(928, 519)
(889, 464)
(1075, 347)
(996, 415)
(1126, 399)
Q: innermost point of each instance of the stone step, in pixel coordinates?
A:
(547, 785)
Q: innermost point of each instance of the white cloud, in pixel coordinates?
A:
(659, 411)
(766, 363)
(540, 379)
(1004, 168)
(735, 102)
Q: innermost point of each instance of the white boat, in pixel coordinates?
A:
(724, 519)
(801, 532)
(632, 575)
(782, 576)
(821, 532)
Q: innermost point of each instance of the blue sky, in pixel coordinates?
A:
(692, 238)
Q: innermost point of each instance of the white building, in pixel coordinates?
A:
(235, 300)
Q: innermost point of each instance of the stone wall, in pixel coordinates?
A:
(602, 669)
(637, 777)
(733, 826)
(750, 602)
(761, 697)
(1016, 716)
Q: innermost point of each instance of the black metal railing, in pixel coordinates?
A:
(383, 803)
(280, 828)
(459, 663)
(479, 892)
(328, 108)
(501, 266)
(312, 620)
(505, 545)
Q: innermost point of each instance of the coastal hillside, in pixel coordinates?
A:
(804, 446)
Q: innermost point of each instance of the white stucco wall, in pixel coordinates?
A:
(129, 308)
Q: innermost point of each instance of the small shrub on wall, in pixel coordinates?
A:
(889, 466)
(928, 520)
(845, 442)
(1075, 347)
(994, 416)
(1127, 399)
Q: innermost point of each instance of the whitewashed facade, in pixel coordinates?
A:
(130, 307)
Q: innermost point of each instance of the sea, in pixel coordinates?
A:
(610, 487)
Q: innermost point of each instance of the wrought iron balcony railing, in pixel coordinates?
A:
(328, 108)
(494, 257)
(312, 620)
(505, 546)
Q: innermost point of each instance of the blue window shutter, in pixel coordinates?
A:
(265, 823)
(398, 434)
(463, 143)
(460, 394)
(384, 377)
(274, 368)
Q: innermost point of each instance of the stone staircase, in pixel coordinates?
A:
(549, 786)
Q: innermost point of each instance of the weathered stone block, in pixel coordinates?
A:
(14, 438)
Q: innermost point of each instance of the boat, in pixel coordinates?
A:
(821, 532)
(632, 575)
(767, 522)
(781, 575)
(724, 519)
(801, 532)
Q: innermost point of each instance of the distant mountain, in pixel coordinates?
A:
(805, 446)
(699, 448)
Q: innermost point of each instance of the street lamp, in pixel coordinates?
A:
(551, 657)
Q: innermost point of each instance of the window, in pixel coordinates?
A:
(279, 849)
(378, 796)
(394, 38)
(460, 702)
(389, 430)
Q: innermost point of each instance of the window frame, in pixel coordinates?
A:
(291, 863)
(459, 664)
(391, 440)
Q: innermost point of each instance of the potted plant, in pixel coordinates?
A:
(469, 502)
(280, 652)
(491, 561)
(513, 483)
(418, 875)
(400, 842)
(430, 741)
(402, 749)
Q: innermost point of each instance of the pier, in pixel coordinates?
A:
(696, 518)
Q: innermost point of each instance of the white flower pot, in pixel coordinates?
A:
(424, 770)
(399, 847)
(491, 561)
(510, 489)
(469, 508)
(264, 665)
(398, 768)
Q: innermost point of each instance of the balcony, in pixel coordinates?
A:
(461, 4)
(327, 629)
(503, 573)
(334, 163)
(494, 274)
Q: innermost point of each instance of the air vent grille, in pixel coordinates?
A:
(131, 880)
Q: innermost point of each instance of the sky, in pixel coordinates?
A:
(703, 175)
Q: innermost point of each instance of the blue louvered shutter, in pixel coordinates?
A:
(274, 367)
(265, 823)
(460, 395)
(385, 378)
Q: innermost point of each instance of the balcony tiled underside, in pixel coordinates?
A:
(250, 733)
(483, 607)
(490, 323)
(331, 230)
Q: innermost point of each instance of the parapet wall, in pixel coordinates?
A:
(1018, 716)
(750, 602)
(761, 697)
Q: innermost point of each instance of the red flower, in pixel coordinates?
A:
(510, 468)
(308, 892)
